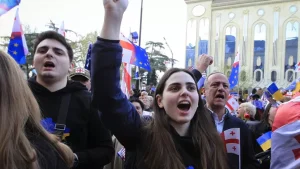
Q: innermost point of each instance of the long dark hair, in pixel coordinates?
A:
(162, 153)
(265, 117)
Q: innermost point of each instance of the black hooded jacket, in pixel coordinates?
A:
(88, 138)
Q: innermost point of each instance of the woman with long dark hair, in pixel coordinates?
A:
(181, 133)
(25, 144)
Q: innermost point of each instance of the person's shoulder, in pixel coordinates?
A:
(236, 121)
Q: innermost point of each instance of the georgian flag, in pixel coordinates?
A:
(231, 138)
(285, 148)
(128, 50)
(134, 54)
(232, 104)
(126, 79)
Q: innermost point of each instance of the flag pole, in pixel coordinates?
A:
(138, 81)
(141, 22)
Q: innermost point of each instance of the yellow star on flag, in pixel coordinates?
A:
(16, 45)
(15, 52)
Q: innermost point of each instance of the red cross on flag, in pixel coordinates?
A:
(128, 50)
(232, 104)
(79, 70)
(285, 147)
(126, 79)
(231, 138)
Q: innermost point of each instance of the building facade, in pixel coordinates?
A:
(265, 34)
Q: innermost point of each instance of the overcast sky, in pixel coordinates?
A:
(161, 18)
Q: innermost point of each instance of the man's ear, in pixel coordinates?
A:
(72, 65)
(159, 101)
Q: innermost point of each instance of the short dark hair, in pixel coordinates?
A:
(54, 36)
(216, 72)
(138, 101)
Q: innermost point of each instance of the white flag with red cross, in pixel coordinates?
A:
(286, 146)
(232, 104)
(231, 138)
(128, 50)
(126, 79)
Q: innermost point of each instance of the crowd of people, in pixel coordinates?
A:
(66, 117)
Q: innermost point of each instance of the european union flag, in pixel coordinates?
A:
(17, 46)
(87, 65)
(141, 58)
(6, 5)
(234, 75)
(265, 141)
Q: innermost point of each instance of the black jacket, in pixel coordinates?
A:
(121, 116)
(248, 160)
(88, 138)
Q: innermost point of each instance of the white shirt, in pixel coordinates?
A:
(219, 123)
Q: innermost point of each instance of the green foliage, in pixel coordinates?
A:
(81, 46)
(157, 60)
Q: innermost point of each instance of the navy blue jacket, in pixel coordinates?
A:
(248, 160)
(118, 114)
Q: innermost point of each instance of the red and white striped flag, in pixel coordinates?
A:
(232, 104)
(126, 79)
(61, 29)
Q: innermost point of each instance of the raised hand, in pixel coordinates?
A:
(203, 62)
(115, 7)
(114, 10)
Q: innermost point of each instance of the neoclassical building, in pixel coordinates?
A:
(265, 34)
